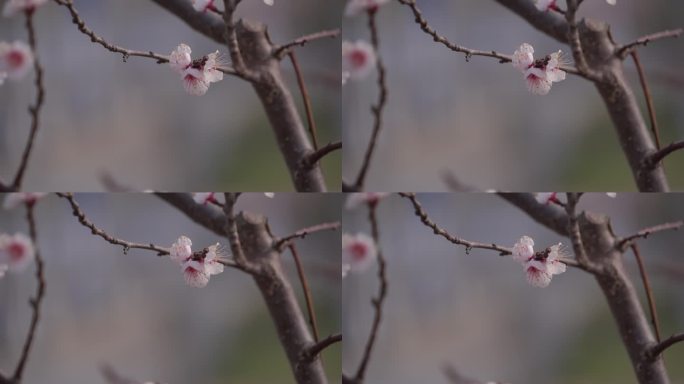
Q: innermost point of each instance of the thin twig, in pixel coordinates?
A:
(285, 49)
(34, 110)
(316, 349)
(233, 235)
(649, 99)
(659, 348)
(628, 48)
(378, 108)
(652, 161)
(574, 232)
(623, 243)
(576, 43)
(647, 288)
(378, 300)
(232, 42)
(425, 219)
(36, 301)
(307, 292)
(302, 233)
(80, 215)
(311, 123)
(468, 52)
(313, 158)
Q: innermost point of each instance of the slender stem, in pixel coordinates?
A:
(307, 292)
(649, 99)
(626, 49)
(233, 235)
(652, 161)
(576, 43)
(377, 301)
(646, 232)
(574, 230)
(305, 98)
(36, 301)
(317, 348)
(232, 42)
(304, 232)
(665, 344)
(378, 108)
(649, 292)
(284, 49)
(313, 158)
(34, 110)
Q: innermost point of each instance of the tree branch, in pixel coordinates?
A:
(546, 22)
(659, 348)
(575, 234)
(35, 302)
(233, 235)
(307, 292)
(311, 122)
(34, 110)
(378, 108)
(304, 232)
(283, 50)
(80, 215)
(623, 243)
(207, 24)
(576, 43)
(315, 349)
(549, 216)
(627, 49)
(647, 289)
(651, 162)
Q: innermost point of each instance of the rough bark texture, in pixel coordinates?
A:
(279, 104)
(280, 298)
(632, 322)
(635, 138)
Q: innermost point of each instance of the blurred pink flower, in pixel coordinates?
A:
(13, 200)
(354, 7)
(16, 251)
(358, 60)
(3, 269)
(546, 197)
(364, 198)
(16, 59)
(539, 74)
(12, 7)
(204, 197)
(358, 252)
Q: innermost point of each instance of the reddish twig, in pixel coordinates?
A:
(307, 292)
(378, 108)
(647, 96)
(647, 288)
(311, 123)
(34, 110)
(36, 301)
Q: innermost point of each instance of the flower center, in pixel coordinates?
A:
(15, 59)
(358, 58)
(16, 252)
(359, 251)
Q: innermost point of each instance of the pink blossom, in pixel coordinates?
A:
(4, 267)
(3, 76)
(203, 5)
(16, 59)
(270, 195)
(13, 200)
(204, 197)
(358, 252)
(345, 270)
(539, 74)
(197, 74)
(354, 7)
(358, 60)
(546, 197)
(16, 251)
(199, 266)
(540, 266)
(364, 198)
(12, 7)
(545, 5)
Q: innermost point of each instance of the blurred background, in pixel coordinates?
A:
(477, 118)
(135, 311)
(135, 121)
(478, 313)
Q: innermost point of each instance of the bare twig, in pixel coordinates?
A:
(574, 232)
(649, 99)
(378, 108)
(425, 219)
(377, 301)
(652, 161)
(576, 43)
(649, 293)
(80, 215)
(233, 235)
(34, 110)
(305, 98)
(232, 42)
(659, 348)
(314, 157)
(302, 233)
(623, 243)
(307, 292)
(316, 349)
(282, 50)
(628, 48)
(36, 301)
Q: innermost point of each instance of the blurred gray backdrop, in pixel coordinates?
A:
(478, 312)
(478, 120)
(135, 121)
(135, 311)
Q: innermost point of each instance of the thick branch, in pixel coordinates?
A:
(280, 298)
(547, 22)
(207, 24)
(203, 215)
(549, 216)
